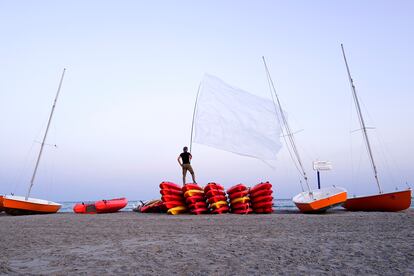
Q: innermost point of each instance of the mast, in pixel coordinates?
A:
(194, 111)
(296, 159)
(44, 137)
(362, 122)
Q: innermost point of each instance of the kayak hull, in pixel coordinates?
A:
(18, 205)
(386, 202)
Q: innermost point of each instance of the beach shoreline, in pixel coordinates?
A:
(285, 242)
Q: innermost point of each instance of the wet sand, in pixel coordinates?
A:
(287, 243)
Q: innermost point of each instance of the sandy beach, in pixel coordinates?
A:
(287, 243)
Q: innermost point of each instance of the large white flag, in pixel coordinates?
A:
(234, 120)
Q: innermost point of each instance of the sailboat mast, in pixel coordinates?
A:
(361, 121)
(289, 134)
(44, 137)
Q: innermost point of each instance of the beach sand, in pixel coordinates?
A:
(289, 243)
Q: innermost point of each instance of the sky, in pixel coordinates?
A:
(133, 69)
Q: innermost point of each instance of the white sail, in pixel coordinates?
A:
(234, 120)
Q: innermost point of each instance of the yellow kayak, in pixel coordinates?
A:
(240, 200)
(177, 210)
(193, 193)
(219, 204)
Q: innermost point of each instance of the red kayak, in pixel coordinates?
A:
(263, 204)
(264, 210)
(214, 192)
(238, 194)
(262, 198)
(217, 198)
(172, 198)
(261, 193)
(171, 192)
(221, 210)
(213, 186)
(191, 186)
(102, 206)
(199, 211)
(237, 188)
(170, 185)
(172, 204)
(196, 205)
(194, 199)
(242, 212)
(240, 206)
(261, 186)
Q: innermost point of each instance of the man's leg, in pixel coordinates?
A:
(184, 174)
(192, 173)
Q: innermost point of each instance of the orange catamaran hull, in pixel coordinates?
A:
(18, 205)
(387, 202)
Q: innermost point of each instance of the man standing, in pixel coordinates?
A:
(186, 158)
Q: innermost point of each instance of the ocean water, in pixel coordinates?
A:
(285, 204)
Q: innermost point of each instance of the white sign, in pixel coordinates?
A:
(322, 165)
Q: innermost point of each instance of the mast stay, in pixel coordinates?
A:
(362, 122)
(44, 137)
(289, 134)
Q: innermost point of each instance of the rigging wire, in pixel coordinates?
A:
(298, 163)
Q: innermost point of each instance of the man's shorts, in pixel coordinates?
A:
(187, 167)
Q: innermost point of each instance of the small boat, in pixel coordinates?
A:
(320, 200)
(19, 205)
(101, 206)
(150, 206)
(385, 202)
(310, 201)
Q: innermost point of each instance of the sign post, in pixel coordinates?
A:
(321, 166)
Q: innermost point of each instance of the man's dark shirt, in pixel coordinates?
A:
(185, 156)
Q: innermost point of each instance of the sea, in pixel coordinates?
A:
(285, 204)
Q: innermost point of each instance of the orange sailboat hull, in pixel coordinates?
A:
(320, 200)
(387, 202)
(17, 205)
(1, 204)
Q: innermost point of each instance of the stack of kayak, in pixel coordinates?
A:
(194, 199)
(216, 198)
(151, 206)
(172, 198)
(261, 198)
(239, 199)
(101, 206)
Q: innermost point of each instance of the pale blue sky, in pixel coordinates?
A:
(133, 68)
